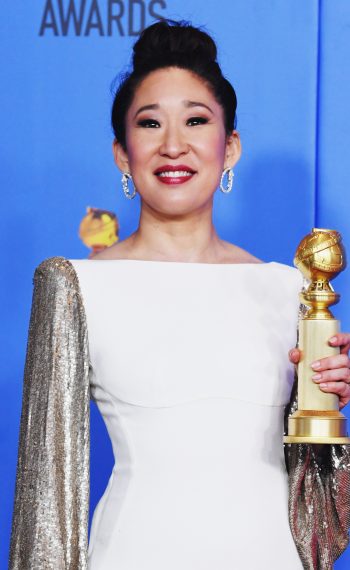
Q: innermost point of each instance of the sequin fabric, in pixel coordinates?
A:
(319, 496)
(50, 520)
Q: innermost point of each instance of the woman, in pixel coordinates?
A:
(160, 328)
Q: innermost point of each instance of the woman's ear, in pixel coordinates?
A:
(233, 149)
(120, 156)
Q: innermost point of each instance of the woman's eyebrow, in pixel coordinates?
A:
(196, 104)
(188, 104)
(146, 108)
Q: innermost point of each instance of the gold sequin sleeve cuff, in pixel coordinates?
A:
(50, 520)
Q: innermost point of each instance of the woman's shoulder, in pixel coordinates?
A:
(232, 253)
(277, 271)
(121, 250)
(54, 264)
(56, 269)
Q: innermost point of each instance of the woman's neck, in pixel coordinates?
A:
(182, 239)
(186, 238)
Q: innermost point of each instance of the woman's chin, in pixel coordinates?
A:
(178, 207)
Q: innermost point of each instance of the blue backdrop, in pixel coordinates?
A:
(288, 61)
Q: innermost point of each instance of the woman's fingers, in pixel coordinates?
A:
(342, 340)
(329, 362)
(294, 355)
(332, 373)
(336, 375)
(342, 389)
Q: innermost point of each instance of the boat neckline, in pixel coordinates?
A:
(190, 263)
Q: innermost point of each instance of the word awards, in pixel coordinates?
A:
(99, 17)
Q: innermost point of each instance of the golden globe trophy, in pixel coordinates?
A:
(320, 257)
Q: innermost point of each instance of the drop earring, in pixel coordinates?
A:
(230, 174)
(125, 183)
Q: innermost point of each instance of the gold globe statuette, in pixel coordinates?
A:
(320, 257)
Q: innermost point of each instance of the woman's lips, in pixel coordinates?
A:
(174, 175)
(174, 178)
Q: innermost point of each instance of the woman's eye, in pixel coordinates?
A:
(149, 123)
(197, 121)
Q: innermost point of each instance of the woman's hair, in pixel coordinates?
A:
(173, 44)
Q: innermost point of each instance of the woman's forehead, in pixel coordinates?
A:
(173, 86)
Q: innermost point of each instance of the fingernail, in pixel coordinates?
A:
(316, 365)
(323, 385)
(333, 339)
(317, 376)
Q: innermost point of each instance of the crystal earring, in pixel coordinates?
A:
(230, 175)
(125, 182)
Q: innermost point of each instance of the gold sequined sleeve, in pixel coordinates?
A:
(50, 520)
(319, 499)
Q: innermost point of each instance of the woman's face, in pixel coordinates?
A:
(176, 142)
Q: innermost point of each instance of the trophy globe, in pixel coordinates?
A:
(320, 257)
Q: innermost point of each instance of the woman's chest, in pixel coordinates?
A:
(160, 342)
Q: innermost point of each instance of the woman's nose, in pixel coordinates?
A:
(173, 143)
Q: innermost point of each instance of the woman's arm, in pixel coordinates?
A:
(50, 520)
(319, 480)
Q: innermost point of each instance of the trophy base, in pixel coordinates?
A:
(314, 426)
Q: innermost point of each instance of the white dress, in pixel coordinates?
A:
(190, 372)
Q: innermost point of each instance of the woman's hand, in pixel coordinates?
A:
(333, 372)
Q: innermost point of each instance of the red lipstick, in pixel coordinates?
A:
(182, 173)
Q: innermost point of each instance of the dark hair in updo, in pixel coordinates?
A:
(173, 44)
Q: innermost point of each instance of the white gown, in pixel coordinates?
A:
(190, 372)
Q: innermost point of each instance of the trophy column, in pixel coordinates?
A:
(320, 257)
